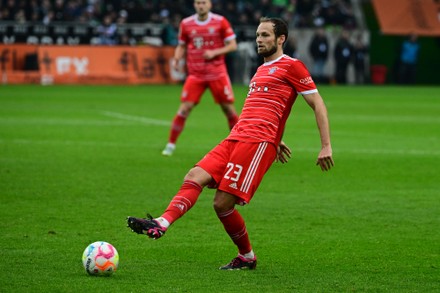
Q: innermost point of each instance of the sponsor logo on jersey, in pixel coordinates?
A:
(306, 80)
(233, 185)
(198, 42)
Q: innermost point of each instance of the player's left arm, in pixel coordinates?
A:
(325, 157)
(230, 41)
(230, 46)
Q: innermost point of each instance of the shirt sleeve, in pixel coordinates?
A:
(182, 36)
(228, 32)
(301, 79)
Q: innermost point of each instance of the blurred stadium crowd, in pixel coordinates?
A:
(298, 13)
(122, 22)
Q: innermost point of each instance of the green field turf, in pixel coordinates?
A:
(76, 160)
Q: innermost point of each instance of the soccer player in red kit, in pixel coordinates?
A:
(204, 39)
(237, 165)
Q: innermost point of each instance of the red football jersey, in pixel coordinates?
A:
(199, 36)
(272, 92)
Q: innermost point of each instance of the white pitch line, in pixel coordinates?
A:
(143, 120)
(61, 121)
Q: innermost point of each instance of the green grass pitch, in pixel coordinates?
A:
(76, 160)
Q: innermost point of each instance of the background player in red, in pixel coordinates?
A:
(237, 165)
(204, 39)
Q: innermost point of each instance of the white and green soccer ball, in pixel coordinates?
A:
(100, 258)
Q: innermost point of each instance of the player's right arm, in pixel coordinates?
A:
(283, 153)
(179, 54)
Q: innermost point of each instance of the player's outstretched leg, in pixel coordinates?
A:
(147, 226)
(241, 263)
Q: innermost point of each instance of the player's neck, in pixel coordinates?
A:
(274, 56)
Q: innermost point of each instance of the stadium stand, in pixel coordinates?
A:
(154, 23)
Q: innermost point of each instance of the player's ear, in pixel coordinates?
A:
(282, 40)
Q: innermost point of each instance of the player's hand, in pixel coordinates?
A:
(283, 153)
(176, 65)
(209, 54)
(325, 159)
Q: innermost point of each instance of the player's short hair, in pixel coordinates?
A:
(280, 27)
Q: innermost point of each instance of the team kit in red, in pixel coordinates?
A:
(272, 93)
(236, 166)
(202, 73)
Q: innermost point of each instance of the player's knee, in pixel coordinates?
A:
(199, 176)
(219, 207)
(228, 109)
(223, 203)
(185, 109)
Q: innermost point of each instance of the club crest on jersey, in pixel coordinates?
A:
(272, 70)
(211, 30)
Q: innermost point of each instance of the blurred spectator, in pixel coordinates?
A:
(343, 53)
(20, 16)
(33, 11)
(266, 8)
(408, 60)
(122, 17)
(304, 13)
(348, 20)
(11, 9)
(282, 9)
(319, 50)
(73, 10)
(126, 40)
(59, 10)
(20, 9)
(170, 30)
(360, 53)
(337, 13)
(91, 15)
(47, 13)
(107, 31)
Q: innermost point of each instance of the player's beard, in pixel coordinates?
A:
(269, 52)
(203, 14)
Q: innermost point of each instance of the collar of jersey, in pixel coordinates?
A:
(204, 21)
(273, 61)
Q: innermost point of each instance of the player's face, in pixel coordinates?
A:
(266, 40)
(202, 7)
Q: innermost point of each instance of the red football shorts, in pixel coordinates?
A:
(194, 88)
(238, 167)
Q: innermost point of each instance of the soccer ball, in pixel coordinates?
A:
(100, 258)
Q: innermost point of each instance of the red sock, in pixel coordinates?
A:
(236, 229)
(183, 201)
(232, 120)
(177, 127)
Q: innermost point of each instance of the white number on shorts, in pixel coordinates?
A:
(235, 169)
